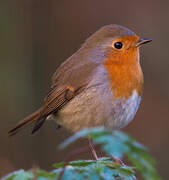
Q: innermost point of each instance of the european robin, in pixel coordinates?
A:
(100, 85)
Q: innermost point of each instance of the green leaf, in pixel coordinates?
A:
(43, 174)
(83, 133)
(118, 144)
(19, 175)
(59, 165)
(111, 145)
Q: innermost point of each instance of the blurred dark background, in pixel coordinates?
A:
(37, 35)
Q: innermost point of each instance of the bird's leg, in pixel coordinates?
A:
(91, 146)
(118, 161)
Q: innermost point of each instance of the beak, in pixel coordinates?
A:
(143, 41)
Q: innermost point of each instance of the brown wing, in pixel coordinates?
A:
(67, 82)
(55, 100)
(70, 79)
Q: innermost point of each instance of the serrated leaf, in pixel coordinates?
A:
(119, 144)
(115, 144)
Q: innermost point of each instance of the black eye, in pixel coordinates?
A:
(118, 45)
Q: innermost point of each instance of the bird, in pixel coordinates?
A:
(99, 85)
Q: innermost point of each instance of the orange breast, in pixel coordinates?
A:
(125, 73)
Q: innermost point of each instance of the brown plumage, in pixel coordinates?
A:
(98, 85)
(53, 102)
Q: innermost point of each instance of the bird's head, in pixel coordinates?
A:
(117, 48)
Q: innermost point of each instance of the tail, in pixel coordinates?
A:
(33, 118)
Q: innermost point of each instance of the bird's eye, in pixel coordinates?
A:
(118, 45)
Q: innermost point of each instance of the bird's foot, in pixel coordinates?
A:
(118, 161)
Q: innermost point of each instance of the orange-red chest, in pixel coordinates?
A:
(125, 74)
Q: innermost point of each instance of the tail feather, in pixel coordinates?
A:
(25, 122)
(38, 125)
